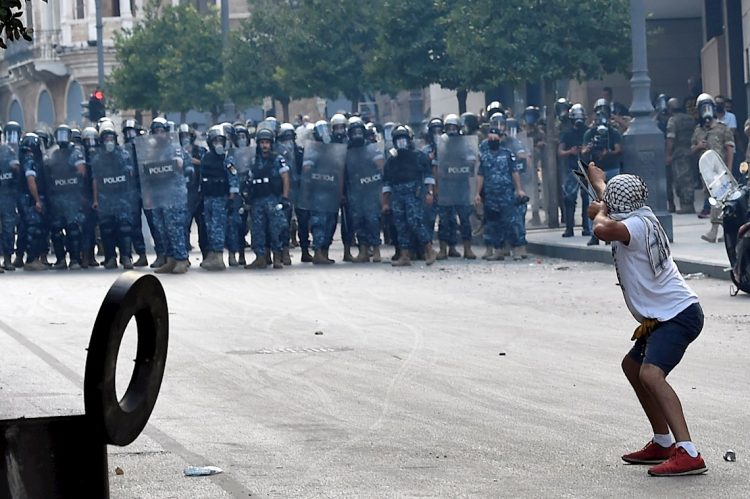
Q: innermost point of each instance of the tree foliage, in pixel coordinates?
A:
(170, 61)
(11, 22)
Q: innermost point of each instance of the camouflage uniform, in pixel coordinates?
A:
(680, 128)
(718, 136)
(34, 227)
(265, 187)
(8, 181)
(500, 211)
(405, 176)
(431, 211)
(218, 181)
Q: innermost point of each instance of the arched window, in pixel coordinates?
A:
(73, 103)
(45, 111)
(16, 112)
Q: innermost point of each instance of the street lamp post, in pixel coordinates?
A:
(99, 46)
(643, 141)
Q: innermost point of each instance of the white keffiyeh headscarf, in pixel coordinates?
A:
(625, 196)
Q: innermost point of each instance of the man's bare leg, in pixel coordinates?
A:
(651, 407)
(654, 380)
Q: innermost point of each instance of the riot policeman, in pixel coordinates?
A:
(286, 146)
(571, 144)
(406, 177)
(115, 199)
(31, 200)
(9, 173)
(193, 153)
(130, 130)
(267, 189)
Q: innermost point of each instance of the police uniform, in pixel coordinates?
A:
(265, 187)
(404, 177)
(218, 181)
(65, 195)
(500, 211)
(570, 187)
(33, 221)
(9, 171)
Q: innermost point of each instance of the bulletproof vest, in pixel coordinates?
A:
(405, 167)
(214, 175)
(684, 128)
(8, 176)
(263, 180)
(62, 179)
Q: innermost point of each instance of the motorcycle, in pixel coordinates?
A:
(733, 199)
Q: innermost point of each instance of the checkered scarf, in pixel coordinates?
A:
(625, 196)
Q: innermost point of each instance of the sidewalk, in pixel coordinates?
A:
(689, 251)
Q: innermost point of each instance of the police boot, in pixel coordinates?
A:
(489, 250)
(260, 262)
(403, 259)
(60, 264)
(215, 261)
(18, 262)
(91, 259)
(396, 255)
(159, 262)
(347, 253)
(443, 253)
(241, 261)
(506, 249)
(43, 259)
(278, 260)
(286, 258)
(35, 265)
(180, 267)
(468, 254)
(142, 261)
(362, 256)
(710, 236)
(320, 258)
(125, 261)
(110, 263)
(8, 264)
(496, 256)
(429, 254)
(168, 266)
(325, 254)
(306, 256)
(232, 259)
(293, 230)
(269, 259)
(520, 253)
(453, 252)
(376, 254)
(2, 270)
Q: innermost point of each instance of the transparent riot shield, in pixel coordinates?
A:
(64, 185)
(243, 158)
(717, 177)
(364, 174)
(322, 177)
(160, 169)
(114, 184)
(458, 157)
(289, 153)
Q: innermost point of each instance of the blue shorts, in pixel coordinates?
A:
(666, 344)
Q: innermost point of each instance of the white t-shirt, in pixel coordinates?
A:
(729, 120)
(646, 295)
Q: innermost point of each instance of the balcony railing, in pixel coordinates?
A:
(42, 47)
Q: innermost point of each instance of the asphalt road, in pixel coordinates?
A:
(459, 380)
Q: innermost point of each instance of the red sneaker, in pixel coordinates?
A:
(680, 463)
(652, 453)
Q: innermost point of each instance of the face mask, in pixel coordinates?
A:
(219, 149)
(242, 141)
(494, 145)
(109, 146)
(402, 143)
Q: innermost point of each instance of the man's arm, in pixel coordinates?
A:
(285, 182)
(605, 228)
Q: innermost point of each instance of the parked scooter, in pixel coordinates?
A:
(733, 199)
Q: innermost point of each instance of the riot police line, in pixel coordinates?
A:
(79, 191)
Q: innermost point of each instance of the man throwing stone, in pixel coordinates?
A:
(668, 310)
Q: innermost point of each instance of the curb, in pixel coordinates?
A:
(603, 255)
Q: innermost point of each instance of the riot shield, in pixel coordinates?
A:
(160, 171)
(458, 157)
(717, 177)
(64, 185)
(322, 177)
(290, 156)
(113, 183)
(364, 173)
(243, 160)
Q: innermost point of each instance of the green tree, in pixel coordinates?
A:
(170, 61)
(11, 22)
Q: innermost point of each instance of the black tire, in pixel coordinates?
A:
(742, 281)
(132, 295)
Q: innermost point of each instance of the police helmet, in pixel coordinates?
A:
(470, 123)
(674, 104)
(706, 107)
(130, 129)
(90, 137)
(271, 123)
(498, 120)
(577, 114)
(356, 131)
(159, 124)
(12, 133)
(45, 135)
(75, 136)
(371, 133)
(62, 135)
(217, 139)
(264, 134)
(108, 136)
(241, 136)
(661, 103)
(602, 106)
(562, 108)
(30, 143)
(435, 126)
(452, 124)
(401, 137)
(338, 126)
(286, 133)
(494, 107)
(322, 132)
(531, 115)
